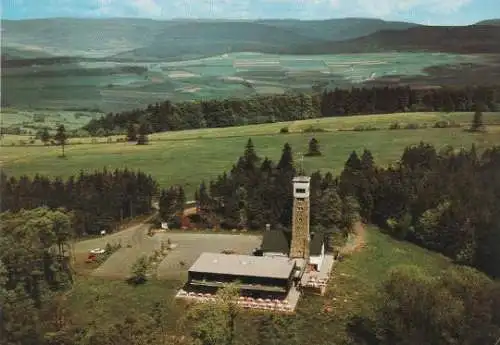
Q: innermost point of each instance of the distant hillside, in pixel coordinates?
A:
(193, 40)
(151, 40)
(11, 53)
(79, 37)
(472, 39)
(148, 39)
(489, 22)
(338, 29)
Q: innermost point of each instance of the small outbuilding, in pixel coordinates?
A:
(277, 243)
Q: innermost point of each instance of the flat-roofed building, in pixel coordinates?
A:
(257, 276)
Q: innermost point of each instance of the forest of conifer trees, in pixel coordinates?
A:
(258, 191)
(169, 116)
(99, 200)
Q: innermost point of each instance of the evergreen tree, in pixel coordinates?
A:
(181, 200)
(204, 201)
(368, 183)
(250, 156)
(286, 161)
(142, 139)
(313, 149)
(367, 162)
(350, 177)
(353, 163)
(330, 213)
(131, 132)
(61, 137)
(477, 121)
(283, 193)
(350, 212)
(169, 203)
(44, 136)
(242, 197)
(315, 196)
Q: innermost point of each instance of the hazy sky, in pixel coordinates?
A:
(434, 12)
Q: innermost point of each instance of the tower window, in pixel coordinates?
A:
(300, 190)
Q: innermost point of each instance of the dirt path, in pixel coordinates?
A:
(133, 235)
(356, 241)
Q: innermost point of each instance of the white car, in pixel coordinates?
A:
(98, 251)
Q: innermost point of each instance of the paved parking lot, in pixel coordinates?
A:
(135, 242)
(191, 245)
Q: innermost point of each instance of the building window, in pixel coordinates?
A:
(300, 190)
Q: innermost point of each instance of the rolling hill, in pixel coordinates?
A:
(474, 39)
(338, 29)
(126, 38)
(203, 39)
(78, 36)
(489, 22)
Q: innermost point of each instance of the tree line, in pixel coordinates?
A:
(33, 270)
(169, 116)
(444, 200)
(257, 191)
(99, 200)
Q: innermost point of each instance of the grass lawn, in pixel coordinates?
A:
(187, 157)
(354, 283)
(351, 290)
(105, 301)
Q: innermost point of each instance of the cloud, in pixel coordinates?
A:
(391, 7)
(275, 8)
(385, 9)
(130, 8)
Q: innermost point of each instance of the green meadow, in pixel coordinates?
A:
(188, 157)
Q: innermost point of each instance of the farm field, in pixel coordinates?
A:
(352, 286)
(207, 153)
(115, 86)
(30, 121)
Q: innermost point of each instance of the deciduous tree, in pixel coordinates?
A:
(215, 323)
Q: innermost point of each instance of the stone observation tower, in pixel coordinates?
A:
(299, 247)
